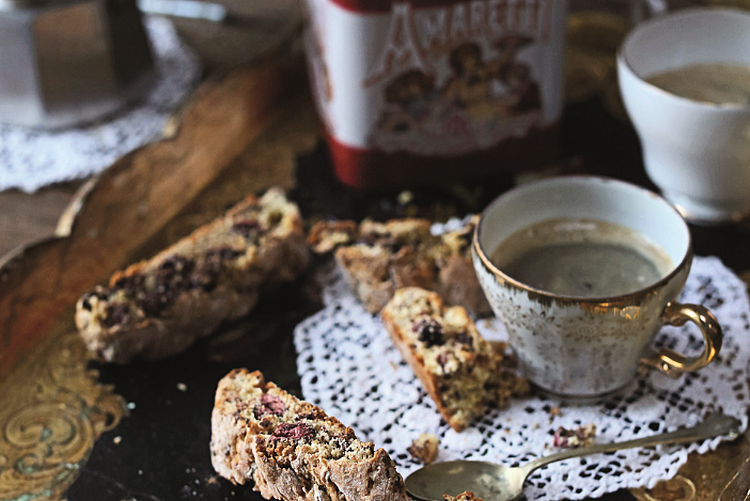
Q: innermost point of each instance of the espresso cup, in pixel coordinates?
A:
(581, 347)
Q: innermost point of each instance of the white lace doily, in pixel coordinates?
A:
(30, 159)
(350, 368)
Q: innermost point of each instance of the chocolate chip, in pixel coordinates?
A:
(117, 314)
(393, 245)
(213, 260)
(430, 332)
(293, 431)
(174, 267)
(465, 339)
(269, 404)
(227, 254)
(173, 276)
(249, 228)
(156, 301)
(341, 443)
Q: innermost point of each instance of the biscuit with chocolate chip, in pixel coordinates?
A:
(291, 450)
(457, 367)
(159, 307)
(378, 258)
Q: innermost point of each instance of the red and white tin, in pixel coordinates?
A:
(426, 90)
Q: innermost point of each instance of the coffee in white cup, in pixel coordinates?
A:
(695, 150)
(582, 343)
(582, 258)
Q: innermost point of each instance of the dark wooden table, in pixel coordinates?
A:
(160, 450)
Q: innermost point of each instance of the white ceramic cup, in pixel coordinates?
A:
(697, 153)
(588, 347)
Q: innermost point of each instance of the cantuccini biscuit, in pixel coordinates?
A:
(159, 307)
(457, 367)
(291, 449)
(378, 258)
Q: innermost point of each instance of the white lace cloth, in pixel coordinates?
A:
(30, 159)
(350, 368)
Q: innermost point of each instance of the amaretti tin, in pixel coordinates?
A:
(430, 90)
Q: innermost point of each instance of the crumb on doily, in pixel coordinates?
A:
(553, 413)
(582, 436)
(425, 448)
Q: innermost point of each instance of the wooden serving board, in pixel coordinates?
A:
(70, 428)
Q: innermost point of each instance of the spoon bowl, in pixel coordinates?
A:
(488, 481)
(495, 482)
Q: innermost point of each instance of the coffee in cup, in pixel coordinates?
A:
(583, 271)
(684, 83)
(582, 258)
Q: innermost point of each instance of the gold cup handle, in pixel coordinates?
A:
(674, 364)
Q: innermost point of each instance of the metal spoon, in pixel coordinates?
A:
(494, 482)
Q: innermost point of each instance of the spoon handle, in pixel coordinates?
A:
(713, 426)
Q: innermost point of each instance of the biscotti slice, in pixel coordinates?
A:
(457, 367)
(387, 256)
(378, 258)
(159, 307)
(291, 449)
